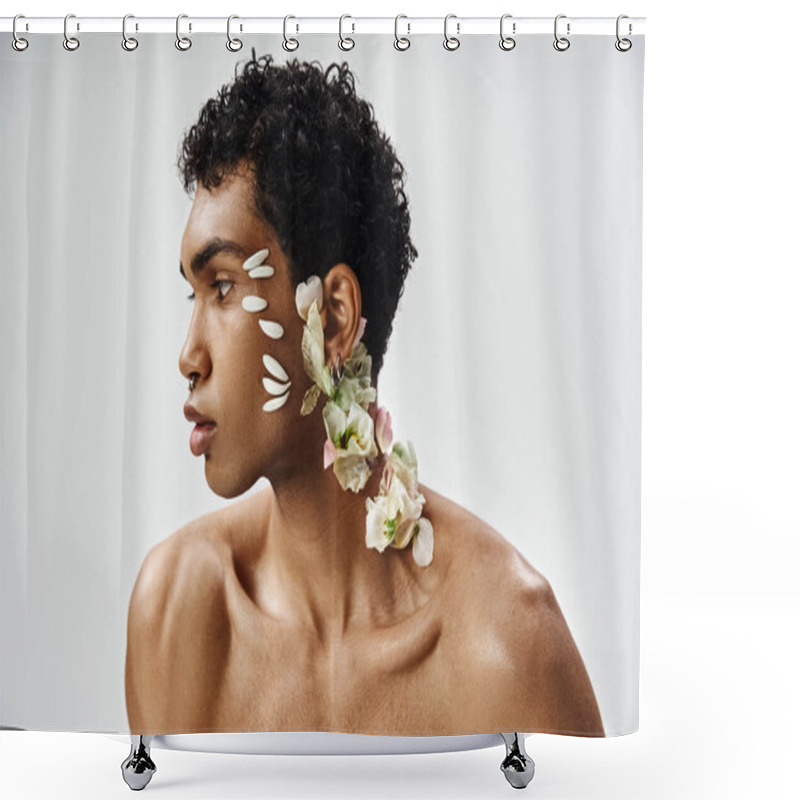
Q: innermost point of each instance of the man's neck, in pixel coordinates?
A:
(317, 570)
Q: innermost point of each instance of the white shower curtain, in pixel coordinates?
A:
(514, 363)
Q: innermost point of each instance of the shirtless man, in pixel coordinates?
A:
(272, 614)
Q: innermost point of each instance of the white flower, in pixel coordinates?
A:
(335, 422)
(403, 533)
(314, 351)
(307, 293)
(383, 429)
(356, 383)
(352, 472)
(359, 363)
(396, 517)
(379, 531)
(352, 433)
(353, 437)
(403, 498)
(423, 543)
(392, 516)
(402, 462)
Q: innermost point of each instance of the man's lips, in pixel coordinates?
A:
(193, 415)
(201, 434)
(200, 437)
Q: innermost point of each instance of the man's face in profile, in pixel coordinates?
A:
(225, 344)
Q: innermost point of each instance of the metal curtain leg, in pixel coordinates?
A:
(138, 767)
(517, 766)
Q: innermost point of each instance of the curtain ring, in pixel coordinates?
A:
(561, 43)
(289, 44)
(346, 43)
(507, 42)
(70, 42)
(182, 42)
(128, 42)
(623, 45)
(234, 45)
(451, 42)
(18, 43)
(400, 42)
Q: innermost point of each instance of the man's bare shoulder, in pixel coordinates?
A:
(516, 646)
(477, 552)
(178, 628)
(552, 679)
(190, 555)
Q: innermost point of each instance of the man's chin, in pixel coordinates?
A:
(225, 482)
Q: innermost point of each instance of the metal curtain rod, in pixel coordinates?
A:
(459, 26)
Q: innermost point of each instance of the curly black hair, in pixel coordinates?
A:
(328, 181)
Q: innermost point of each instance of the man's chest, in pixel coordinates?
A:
(402, 680)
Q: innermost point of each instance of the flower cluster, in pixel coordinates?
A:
(394, 515)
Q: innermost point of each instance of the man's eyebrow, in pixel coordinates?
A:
(212, 248)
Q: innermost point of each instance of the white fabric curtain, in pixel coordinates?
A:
(514, 365)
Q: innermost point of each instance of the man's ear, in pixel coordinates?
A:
(341, 312)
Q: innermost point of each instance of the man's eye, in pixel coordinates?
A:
(215, 284)
(218, 283)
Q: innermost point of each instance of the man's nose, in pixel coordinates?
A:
(194, 359)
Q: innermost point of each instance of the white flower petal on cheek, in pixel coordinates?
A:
(276, 403)
(273, 387)
(262, 272)
(255, 259)
(254, 303)
(273, 329)
(274, 368)
(255, 267)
